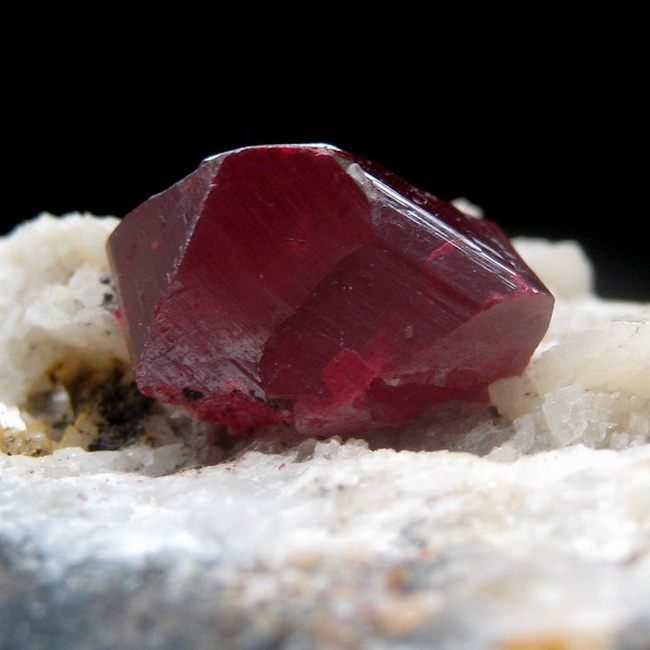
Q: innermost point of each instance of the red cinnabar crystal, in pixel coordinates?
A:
(301, 283)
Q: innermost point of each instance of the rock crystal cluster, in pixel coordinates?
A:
(126, 523)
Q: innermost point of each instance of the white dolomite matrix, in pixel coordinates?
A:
(529, 528)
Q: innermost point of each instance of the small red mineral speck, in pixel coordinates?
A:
(303, 283)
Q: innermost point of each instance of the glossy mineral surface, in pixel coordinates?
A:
(300, 283)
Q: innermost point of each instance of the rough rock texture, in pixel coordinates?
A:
(530, 530)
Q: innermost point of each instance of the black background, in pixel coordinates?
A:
(548, 149)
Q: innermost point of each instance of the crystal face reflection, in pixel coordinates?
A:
(303, 284)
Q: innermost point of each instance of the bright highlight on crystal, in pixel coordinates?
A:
(304, 284)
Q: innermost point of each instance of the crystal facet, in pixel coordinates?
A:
(302, 283)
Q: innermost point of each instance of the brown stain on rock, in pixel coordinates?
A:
(560, 641)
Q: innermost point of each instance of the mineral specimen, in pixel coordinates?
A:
(328, 544)
(301, 283)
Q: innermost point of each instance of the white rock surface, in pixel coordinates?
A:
(533, 533)
(51, 275)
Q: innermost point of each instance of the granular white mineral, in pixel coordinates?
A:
(521, 527)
